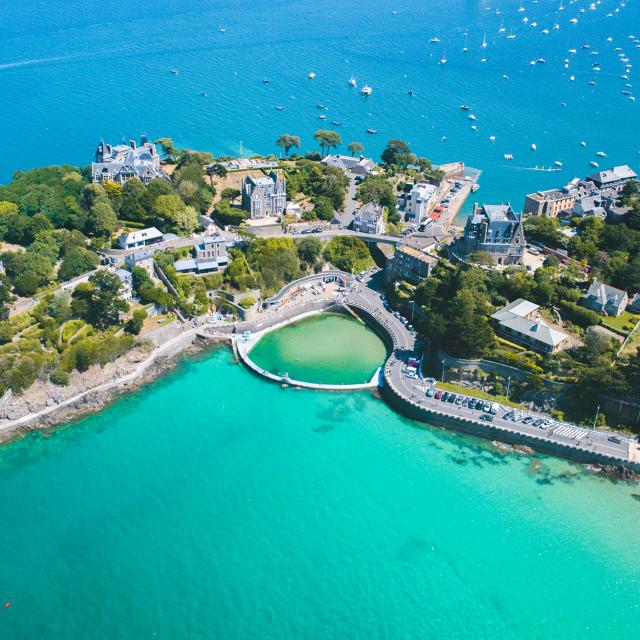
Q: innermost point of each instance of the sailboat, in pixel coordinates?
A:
(352, 82)
(484, 41)
(501, 29)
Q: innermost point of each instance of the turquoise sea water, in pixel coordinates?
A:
(329, 348)
(217, 505)
(81, 70)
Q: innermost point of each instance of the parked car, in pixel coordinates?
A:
(465, 402)
(445, 396)
(438, 395)
(430, 392)
(487, 417)
(614, 439)
(459, 400)
(527, 420)
(487, 407)
(452, 398)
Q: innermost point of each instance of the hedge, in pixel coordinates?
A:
(579, 315)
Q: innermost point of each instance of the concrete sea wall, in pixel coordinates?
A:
(489, 431)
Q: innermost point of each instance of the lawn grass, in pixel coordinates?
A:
(476, 393)
(618, 323)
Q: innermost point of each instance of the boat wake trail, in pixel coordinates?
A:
(35, 61)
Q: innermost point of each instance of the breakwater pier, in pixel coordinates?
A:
(408, 394)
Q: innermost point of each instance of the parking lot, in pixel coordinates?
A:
(533, 259)
(425, 392)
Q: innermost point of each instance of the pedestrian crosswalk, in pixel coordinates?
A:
(571, 432)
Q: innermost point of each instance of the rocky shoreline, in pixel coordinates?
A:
(613, 472)
(90, 385)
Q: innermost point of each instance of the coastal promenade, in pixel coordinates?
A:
(405, 393)
(409, 394)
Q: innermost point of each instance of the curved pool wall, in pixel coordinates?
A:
(243, 349)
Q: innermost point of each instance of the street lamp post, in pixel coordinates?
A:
(595, 420)
(508, 386)
(442, 361)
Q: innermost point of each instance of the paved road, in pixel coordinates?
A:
(415, 239)
(366, 296)
(346, 216)
(589, 440)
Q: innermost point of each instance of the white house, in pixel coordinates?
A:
(126, 278)
(142, 238)
(420, 202)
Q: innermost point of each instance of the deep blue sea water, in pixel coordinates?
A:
(214, 504)
(80, 70)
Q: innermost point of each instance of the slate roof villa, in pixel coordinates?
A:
(265, 196)
(119, 163)
(369, 219)
(606, 299)
(519, 322)
(495, 229)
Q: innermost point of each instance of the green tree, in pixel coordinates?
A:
(172, 209)
(470, 335)
(327, 139)
(5, 290)
(77, 261)
(543, 229)
(230, 194)
(6, 332)
(309, 250)
(103, 219)
(26, 284)
(134, 324)
(348, 253)
(398, 153)
(377, 189)
(355, 147)
(228, 215)
(102, 296)
(168, 149)
(323, 208)
(288, 142)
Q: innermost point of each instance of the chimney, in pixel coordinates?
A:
(132, 144)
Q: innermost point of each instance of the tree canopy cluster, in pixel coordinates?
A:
(325, 185)
(348, 253)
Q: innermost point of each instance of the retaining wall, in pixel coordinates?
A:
(489, 431)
